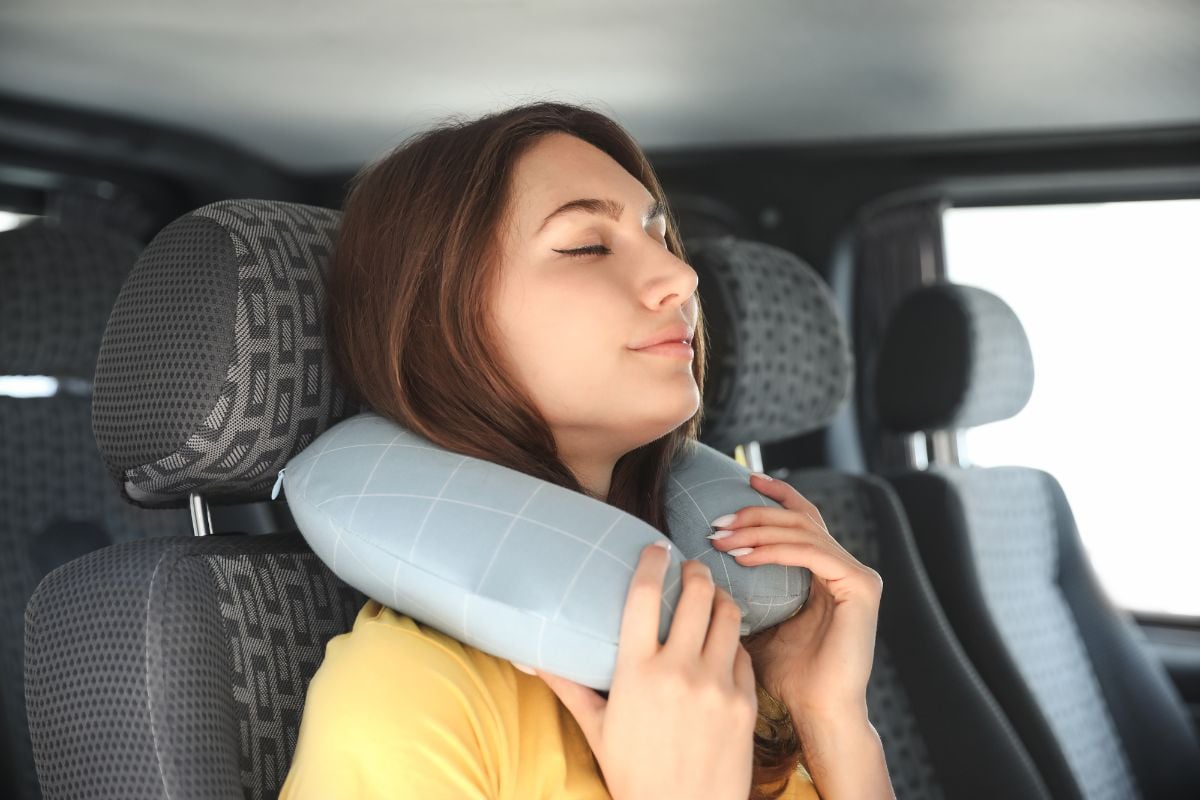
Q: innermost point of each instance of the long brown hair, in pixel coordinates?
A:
(411, 334)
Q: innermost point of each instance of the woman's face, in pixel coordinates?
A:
(568, 322)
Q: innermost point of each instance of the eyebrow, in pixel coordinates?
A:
(609, 208)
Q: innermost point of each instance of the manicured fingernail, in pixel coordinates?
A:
(763, 475)
(664, 544)
(741, 551)
(725, 520)
(719, 535)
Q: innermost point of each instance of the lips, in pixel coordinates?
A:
(672, 349)
(673, 333)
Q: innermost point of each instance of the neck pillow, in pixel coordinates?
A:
(513, 565)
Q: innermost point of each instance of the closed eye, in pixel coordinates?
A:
(590, 250)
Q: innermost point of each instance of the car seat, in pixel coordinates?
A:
(59, 286)
(785, 370)
(177, 667)
(1072, 671)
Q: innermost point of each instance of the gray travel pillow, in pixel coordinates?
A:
(511, 564)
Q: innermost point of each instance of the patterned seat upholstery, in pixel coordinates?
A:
(177, 667)
(1073, 673)
(943, 733)
(59, 287)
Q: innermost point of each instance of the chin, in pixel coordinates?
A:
(672, 421)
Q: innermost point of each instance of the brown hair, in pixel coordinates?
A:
(410, 329)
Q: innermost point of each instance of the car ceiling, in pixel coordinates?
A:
(316, 86)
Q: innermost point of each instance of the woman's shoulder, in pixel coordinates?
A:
(373, 613)
(385, 647)
(378, 625)
(392, 678)
(397, 704)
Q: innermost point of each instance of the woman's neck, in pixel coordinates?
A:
(593, 469)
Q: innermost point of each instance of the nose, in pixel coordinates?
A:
(671, 281)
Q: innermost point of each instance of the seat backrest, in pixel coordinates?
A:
(177, 667)
(1073, 673)
(59, 284)
(790, 370)
(198, 654)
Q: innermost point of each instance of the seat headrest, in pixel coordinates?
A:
(952, 357)
(213, 370)
(780, 360)
(59, 286)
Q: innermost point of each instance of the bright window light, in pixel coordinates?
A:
(28, 386)
(1108, 295)
(11, 219)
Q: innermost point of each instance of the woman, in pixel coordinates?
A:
(493, 285)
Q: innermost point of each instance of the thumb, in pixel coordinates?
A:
(584, 703)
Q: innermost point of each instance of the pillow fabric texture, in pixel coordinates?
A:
(511, 564)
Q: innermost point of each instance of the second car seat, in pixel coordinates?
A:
(1072, 671)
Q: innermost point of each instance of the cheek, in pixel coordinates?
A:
(564, 340)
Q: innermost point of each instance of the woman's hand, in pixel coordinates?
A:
(679, 719)
(818, 661)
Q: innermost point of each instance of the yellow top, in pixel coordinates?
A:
(399, 709)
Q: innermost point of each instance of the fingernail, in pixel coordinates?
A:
(725, 520)
(763, 475)
(719, 535)
(664, 544)
(741, 551)
(524, 668)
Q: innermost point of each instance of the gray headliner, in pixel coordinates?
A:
(328, 85)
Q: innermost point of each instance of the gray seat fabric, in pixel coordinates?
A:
(1097, 713)
(943, 734)
(59, 286)
(177, 667)
(780, 364)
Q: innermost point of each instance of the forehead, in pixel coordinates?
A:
(559, 168)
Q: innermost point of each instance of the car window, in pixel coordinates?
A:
(1107, 295)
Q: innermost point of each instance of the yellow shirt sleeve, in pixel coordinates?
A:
(393, 714)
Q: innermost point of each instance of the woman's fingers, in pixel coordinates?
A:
(707, 620)
(819, 559)
(789, 497)
(784, 546)
(751, 516)
(794, 530)
(643, 606)
(689, 627)
(724, 632)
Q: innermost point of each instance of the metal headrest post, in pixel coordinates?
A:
(201, 517)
